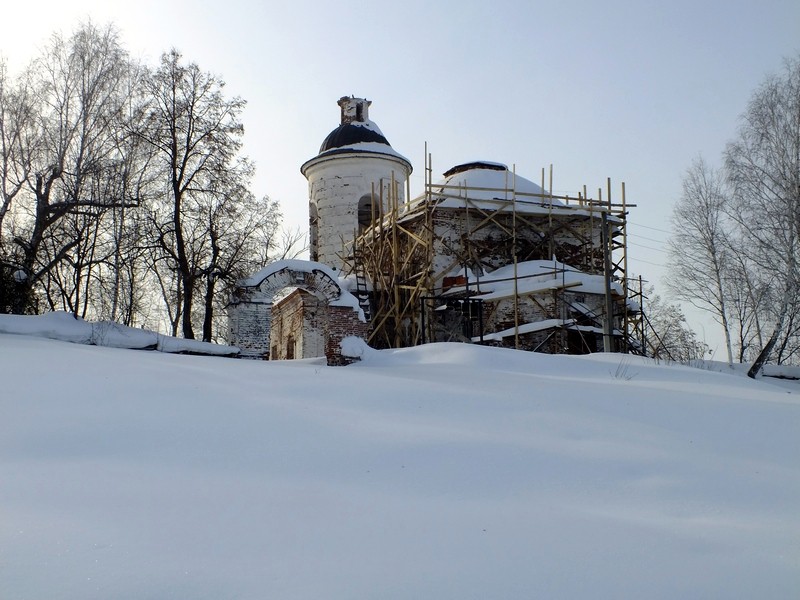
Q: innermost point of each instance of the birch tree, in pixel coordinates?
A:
(667, 332)
(763, 167)
(16, 119)
(699, 248)
(65, 153)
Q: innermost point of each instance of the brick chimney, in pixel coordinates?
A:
(354, 109)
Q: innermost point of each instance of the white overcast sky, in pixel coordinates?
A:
(632, 90)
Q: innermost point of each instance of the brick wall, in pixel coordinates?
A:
(297, 326)
(248, 328)
(343, 322)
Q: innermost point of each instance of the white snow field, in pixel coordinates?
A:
(445, 471)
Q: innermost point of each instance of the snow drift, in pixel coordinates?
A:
(444, 471)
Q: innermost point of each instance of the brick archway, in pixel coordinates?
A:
(312, 279)
(250, 313)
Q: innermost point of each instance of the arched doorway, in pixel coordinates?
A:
(310, 320)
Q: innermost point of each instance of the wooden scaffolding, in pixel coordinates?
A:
(397, 259)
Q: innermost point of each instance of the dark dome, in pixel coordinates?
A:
(348, 134)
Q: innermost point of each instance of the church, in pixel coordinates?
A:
(483, 255)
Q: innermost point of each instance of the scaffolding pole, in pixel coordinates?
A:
(397, 250)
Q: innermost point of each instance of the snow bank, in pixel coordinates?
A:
(66, 327)
(355, 347)
(446, 471)
(782, 371)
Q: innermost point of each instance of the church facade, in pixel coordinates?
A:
(483, 255)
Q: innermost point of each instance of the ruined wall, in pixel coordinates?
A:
(289, 277)
(587, 309)
(539, 341)
(493, 246)
(299, 324)
(250, 312)
(248, 328)
(343, 322)
(583, 311)
(502, 312)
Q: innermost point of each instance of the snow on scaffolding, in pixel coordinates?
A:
(535, 277)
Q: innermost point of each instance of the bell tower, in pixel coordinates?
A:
(354, 169)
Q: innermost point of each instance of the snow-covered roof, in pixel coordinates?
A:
(361, 148)
(541, 326)
(345, 298)
(491, 186)
(533, 277)
(488, 185)
(523, 329)
(356, 134)
(483, 180)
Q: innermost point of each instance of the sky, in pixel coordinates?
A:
(447, 471)
(627, 90)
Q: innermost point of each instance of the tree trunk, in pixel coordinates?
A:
(726, 327)
(209, 309)
(186, 317)
(763, 356)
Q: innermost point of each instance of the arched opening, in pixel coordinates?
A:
(313, 231)
(294, 309)
(299, 324)
(368, 211)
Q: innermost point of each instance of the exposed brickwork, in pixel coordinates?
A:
(312, 279)
(298, 326)
(301, 325)
(248, 328)
(342, 322)
(496, 247)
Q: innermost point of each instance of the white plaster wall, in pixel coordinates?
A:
(248, 328)
(312, 341)
(335, 185)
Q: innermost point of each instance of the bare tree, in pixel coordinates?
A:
(207, 226)
(763, 166)
(122, 188)
(238, 230)
(65, 150)
(668, 334)
(246, 236)
(193, 131)
(292, 243)
(699, 247)
(748, 298)
(16, 116)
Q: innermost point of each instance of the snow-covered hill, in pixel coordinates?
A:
(444, 471)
